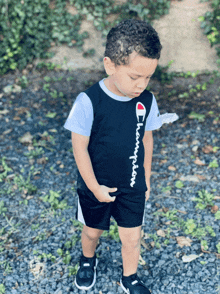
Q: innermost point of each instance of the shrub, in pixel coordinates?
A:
(210, 22)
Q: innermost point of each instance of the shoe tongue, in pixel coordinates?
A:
(134, 276)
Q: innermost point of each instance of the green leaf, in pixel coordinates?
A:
(194, 115)
(51, 114)
(179, 184)
(213, 164)
(217, 215)
(59, 251)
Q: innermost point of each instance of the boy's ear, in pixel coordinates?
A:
(109, 66)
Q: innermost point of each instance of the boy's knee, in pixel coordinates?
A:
(130, 237)
(91, 233)
(131, 242)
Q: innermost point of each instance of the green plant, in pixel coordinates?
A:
(77, 225)
(89, 53)
(204, 199)
(166, 242)
(2, 208)
(35, 227)
(155, 238)
(41, 236)
(53, 200)
(66, 256)
(170, 215)
(218, 247)
(162, 74)
(51, 114)
(73, 270)
(53, 95)
(217, 215)
(2, 289)
(47, 256)
(29, 28)
(47, 79)
(6, 169)
(210, 230)
(213, 164)
(23, 82)
(210, 22)
(68, 244)
(113, 232)
(190, 226)
(25, 185)
(46, 87)
(165, 189)
(194, 115)
(184, 95)
(172, 92)
(179, 184)
(34, 153)
(203, 262)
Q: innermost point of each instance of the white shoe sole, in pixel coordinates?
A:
(93, 282)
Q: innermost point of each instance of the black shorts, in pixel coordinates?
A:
(127, 210)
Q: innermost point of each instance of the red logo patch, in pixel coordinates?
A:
(140, 106)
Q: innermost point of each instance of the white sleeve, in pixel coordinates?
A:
(81, 116)
(153, 120)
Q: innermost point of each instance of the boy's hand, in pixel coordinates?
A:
(147, 193)
(102, 194)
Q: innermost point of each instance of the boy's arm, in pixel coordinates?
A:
(83, 161)
(148, 147)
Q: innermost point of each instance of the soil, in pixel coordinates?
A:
(75, 81)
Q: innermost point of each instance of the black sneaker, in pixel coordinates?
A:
(86, 275)
(133, 285)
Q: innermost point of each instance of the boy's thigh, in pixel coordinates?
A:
(128, 209)
(91, 212)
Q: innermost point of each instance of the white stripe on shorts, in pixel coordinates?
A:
(144, 214)
(79, 214)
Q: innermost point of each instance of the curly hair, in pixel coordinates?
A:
(132, 35)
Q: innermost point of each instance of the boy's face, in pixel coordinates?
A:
(132, 79)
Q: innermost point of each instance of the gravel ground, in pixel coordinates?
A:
(38, 199)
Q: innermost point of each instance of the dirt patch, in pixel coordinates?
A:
(174, 97)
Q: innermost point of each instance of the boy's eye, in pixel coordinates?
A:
(133, 78)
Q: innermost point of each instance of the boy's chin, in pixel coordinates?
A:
(135, 95)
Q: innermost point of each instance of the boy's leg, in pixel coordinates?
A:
(89, 239)
(131, 240)
(86, 275)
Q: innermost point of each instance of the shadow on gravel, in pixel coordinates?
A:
(39, 237)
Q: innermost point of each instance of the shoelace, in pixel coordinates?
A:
(136, 280)
(86, 264)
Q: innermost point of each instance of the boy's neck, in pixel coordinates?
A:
(111, 87)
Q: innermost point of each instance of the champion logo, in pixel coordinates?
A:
(140, 112)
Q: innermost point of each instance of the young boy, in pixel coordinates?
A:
(111, 125)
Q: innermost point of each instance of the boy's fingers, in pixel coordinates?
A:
(112, 189)
(112, 198)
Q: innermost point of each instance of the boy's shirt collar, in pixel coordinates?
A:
(112, 95)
